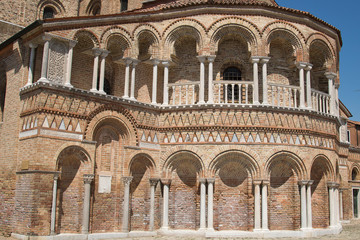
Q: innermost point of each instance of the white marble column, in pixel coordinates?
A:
(133, 70)
(88, 178)
(45, 59)
(303, 204)
(127, 61)
(210, 222)
(301, 66)
(337, 104)
(153, 183)
(33, 47)
(308, 204)
(96, 52)
(255, 61)
(264, 61)
(211, 85)
(53, 205)
(308, 85)
(69, 63)
(155, 63)
(331, 77)
(103, 56)
(331, 204)
(166, 82)
(341, 204)
(264, 206)
(126, 206)
(337, 205)
(202, 60)
(202, 203)
(165, 218)
(257, 211)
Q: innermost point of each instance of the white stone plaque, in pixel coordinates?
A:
(104, 184)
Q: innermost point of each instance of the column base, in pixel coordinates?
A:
(210, 102)
(202, 102)
(210, 229)
(164, 228)
(45, 80)
(102, 92)
(256, 103)
(28, 84)
(68, 85)
(132, 98)
(94, 90)
(257, 230)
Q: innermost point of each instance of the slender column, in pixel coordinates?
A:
(202, 203)
(337, 207)
(308, 85)
(308, 204)
(331, 204)
(45, 60)
(336, 89)
(202, 60)
(125, 220)
(33, 47)
(69, 64)
(211, 86)
(165, 219)
(264, 61)
(53, 205)
(88, 178)
(153, 183)
(103, 56)
(96, 52)
(133, 70)
(255, 61)
(127, 61)
(303, 203)
(166, 81)
(257, 217)
(210, 222)
(331, 77)
(341, 204)
(154, 84)
(301, 67)
(264, 205)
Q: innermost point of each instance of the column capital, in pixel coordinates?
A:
(88, 178)
(310, 182)
(303, 182)
(104, 53)
(201, 59)
(135, 62)
(97, 51)
(56, 175)
(332, 184)
(153, 181)
(33, 45)
(265, 59)
(202, 180)
(308, 67)
(166, 63)
(211, 58)
(330, 75)
(127, 180)
(210, 180)
(255, 59)
(257, 182)
(46, 37)
(301, 65)
(155, 61)
(166, 181)
(265, 182)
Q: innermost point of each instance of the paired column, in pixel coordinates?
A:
(133, 70)
(264, 61)
(128, 61)
(165, 218)
(301, 66)
(202, 60)
(255, 61)
(202, 203)
(257, 214)
(155, 63)
(88, 178)
(69, 64)
(125, 220)
(45, 59)
(331, 90)
(303, 208)
(308, 204)
(210, 222)
(166, 65)
(264, 205)
(341, 204)
(103, 56)
(53, 205)
(211, 85)
(33, 47)
(96, 52)
(337, 105)
(337, 205)
(331, 186)
(153, 183)
(308, 85)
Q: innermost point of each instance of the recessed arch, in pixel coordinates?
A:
(55, 5)
(355, 172)
(94, 8)
(118, 41)
(292, 160)
(89, 38)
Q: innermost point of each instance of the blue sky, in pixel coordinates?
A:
(345, 16)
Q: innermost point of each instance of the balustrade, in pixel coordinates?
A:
(284, 95)
(183, 93)
(320, 101)
(234, 92)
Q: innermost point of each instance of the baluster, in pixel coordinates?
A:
(226, 93)
(295, 98)
(219, 94)
(246, 94)
(240, 100)
(278, 96)
(323, 100)
(321, 103)
(328, 105)
(193, 95)
(283, 95)
(272, 96)
(233, 93)
(186, 94)
(290, 95)
(173, 88)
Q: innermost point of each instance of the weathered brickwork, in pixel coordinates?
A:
(144, 155)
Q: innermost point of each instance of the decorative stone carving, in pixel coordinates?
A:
(57, 62)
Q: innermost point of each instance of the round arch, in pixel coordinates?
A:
(149, 163)
(355, 169)
(326, 164)
(56, 5)
(147, 43)
(69, 148)
(85, 33)
(175, 159)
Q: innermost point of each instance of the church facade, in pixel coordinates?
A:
(210, 118)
